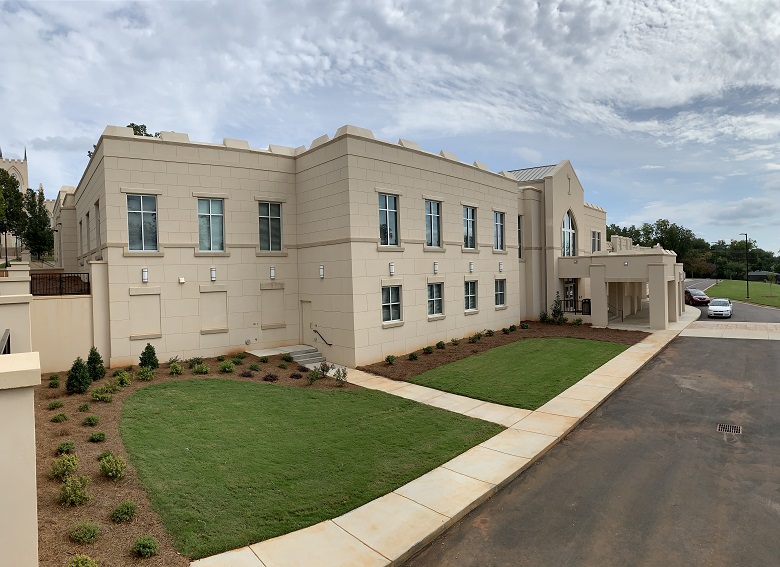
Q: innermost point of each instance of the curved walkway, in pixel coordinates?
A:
(390, 529)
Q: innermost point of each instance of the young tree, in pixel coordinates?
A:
(771, 278)
(13, 219)
(95, 365)
(38, 234)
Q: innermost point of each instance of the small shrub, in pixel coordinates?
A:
(302, 368)
(97, 437)
(117, 372)
(113, 467)
(544, 317)
(326, 367)
(66, 448)
(124, 512)
(240, 355)
(270, 378)
(296, 375)
(129, 368)
(54, 383)
(73, 491)
(287, 358)
(148, 358)
(200, 369)
(283, 366)
(513, 328)
(124, 380)
(95, 365)
(255, 367)
(56, 404)
(556, 310)
(523, 325)
(82, 561)
(577, 322)
(263, 359)
(100, 395)
(454, 342)
(91, 420)
(78, 377)
(104, 454)
(489, 333)
(390, 359)
(226, 367)
(412, 356)
(111, 387)
(440, 345)
(341, 376)
(505, 331)
(220, 358)
(145, 546)
(195, 360)
(237, 361)
(428, 350)
(146, 373)
(84, 407)
(314, 375)
(247, 374)
(473, 339)
(84, 532)
(54, 377)
(174, 359)
(59, 418)
(175, 369)
(64, 466)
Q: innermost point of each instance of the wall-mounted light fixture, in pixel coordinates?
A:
(392, 268)
(435, 267)
(500, 266)
(181, 280)
(322, 271)
(145, 275)
(471, 266)
(272, 272)
(213, 272)
(625, 263)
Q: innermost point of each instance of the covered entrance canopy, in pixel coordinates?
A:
(620, 275)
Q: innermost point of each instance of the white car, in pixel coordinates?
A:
(719, 308)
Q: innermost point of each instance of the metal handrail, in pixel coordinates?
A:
(5, 342)
(617, 311)
(323, 338)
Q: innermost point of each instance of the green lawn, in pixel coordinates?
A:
(761, 293)
(525, 374)
(228, 463)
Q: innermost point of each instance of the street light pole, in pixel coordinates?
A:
(747, 267)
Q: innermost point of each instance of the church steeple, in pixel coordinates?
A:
(25, 153)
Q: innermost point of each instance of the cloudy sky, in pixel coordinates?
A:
(666, 108)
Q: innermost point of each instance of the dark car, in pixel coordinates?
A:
(696, 297)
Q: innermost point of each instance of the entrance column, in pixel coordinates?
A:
(599, 316)
(658, 296)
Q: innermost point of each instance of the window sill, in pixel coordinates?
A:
(270, 254)
(389, 248)
(391, 324)
(469, 250)
(438, 317)
(471, 312)
(213, 331)
(127, 253)
(145, 336)
(500, 307)
(269, 326)
(499, 251)
(439, 249)
(210, 254)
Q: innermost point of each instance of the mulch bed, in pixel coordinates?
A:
(113, 546)
(403, 368)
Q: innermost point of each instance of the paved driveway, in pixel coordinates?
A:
(647, 479)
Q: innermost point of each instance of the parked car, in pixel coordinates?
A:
(696, 297)
(720, 307)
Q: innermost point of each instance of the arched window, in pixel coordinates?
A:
(568, 236)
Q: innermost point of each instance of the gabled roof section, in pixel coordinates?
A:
(534, 173)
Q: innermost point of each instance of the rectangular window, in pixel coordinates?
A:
(500, 293)
(211, 225)
(595, 241)
(391, 303)
(270, 227)
(97, 224)
(435, 306)
(89, 234)
(470, 295)
(498, 231)
(519, 236)
(469, 227)
(81, 237)
(142, 222)
(433, 223)
(388, 220)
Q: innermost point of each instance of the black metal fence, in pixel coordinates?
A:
(59, 284)
(5, 342)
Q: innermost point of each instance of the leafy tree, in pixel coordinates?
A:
(95, 365)
(38, 234)
(78, 377)
(138, 130)
(13, 219)
(771, 278)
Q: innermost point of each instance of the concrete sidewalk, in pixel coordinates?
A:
(390, 529)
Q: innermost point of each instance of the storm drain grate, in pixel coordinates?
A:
(726, 428)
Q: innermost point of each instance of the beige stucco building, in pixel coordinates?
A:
(355, 245)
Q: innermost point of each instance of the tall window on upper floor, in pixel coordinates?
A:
(595, 241)
(433, 223)
(270, 227)
(388, 220)
(97, 224)
(142, 222)
(88, 241)
(469, 227)
(499, 240)
(568, 236)
(211, 234)
(519, 236)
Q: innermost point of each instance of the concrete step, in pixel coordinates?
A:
(309, 358)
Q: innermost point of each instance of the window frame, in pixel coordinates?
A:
(595, 241)
(469, 223)
(390, 303)
(433, 219)
(97, 224)
(209, 215)
(395, 241)
(500, 293)
(568, 235)
(143, 214)
(433, 286)
(467, 294)
(499, 231)
(520, 237)
(269, 218)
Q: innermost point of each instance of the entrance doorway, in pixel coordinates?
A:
(306, 337)
(570, 296)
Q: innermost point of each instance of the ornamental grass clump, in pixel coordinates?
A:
(78, 377)
(84, 532)
(95, 365)
(124, 512)
(59, 418)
